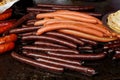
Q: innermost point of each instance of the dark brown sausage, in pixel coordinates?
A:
(51, 39)
(63, 6)
(41, 64)
(21, 20)
(28, 33)
(39, 10)
(84, 70)
(82, 8)
(54, 49)
(66, 37)
(41, 55)
(23, 30)
(85, 48)
(88, 41)
(110, 46)
(80, 56)
(48, 44)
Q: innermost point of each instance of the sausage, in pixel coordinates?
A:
(67, 37)
(79, 14)
(113, 42)
(78, 23)
(51, 39)
(88, 36)
(80, 56)
(27, 34)
(61, 6)
(41, 64)
(41, 55)
(6, 47)
(48, 44)
(31, 20)
(5, 26)
(54, 49)
(39, 9)
(8, 38)
(88, 41)
(85, 48)
(30, 23)
(79, 28)
(109, 46)
(84, 70)
(23, 30)
(80, 8)
(94, 14)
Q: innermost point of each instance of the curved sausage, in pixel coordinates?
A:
(67, 37)
(88, 41)
(41, 55)
(51, 39)
(88, 36)
(82, 69)
(79, 28)
(41, 64)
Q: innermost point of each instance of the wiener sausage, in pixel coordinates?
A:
(79, 14)
(51, 39)
(8, 38)
(109, 46)
(88, 41)
(84, 70)
(80, 56)
(67, 37)
(39, 10)
(54, 49)
(48, 44)
(61, 6)
(41, 55)
(27, 34)
(23, 30)
(87, 36)
(80, 28)
(41, 64)
(6, 47)
(89, 25)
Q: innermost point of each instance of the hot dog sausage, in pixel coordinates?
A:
(41, 64)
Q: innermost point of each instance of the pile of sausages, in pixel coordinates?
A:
(7, 42)
(62, 40)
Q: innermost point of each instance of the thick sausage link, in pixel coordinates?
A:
(8, 38)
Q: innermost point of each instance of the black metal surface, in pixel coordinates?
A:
(10, 69)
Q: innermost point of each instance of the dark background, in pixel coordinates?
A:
(10, 69)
